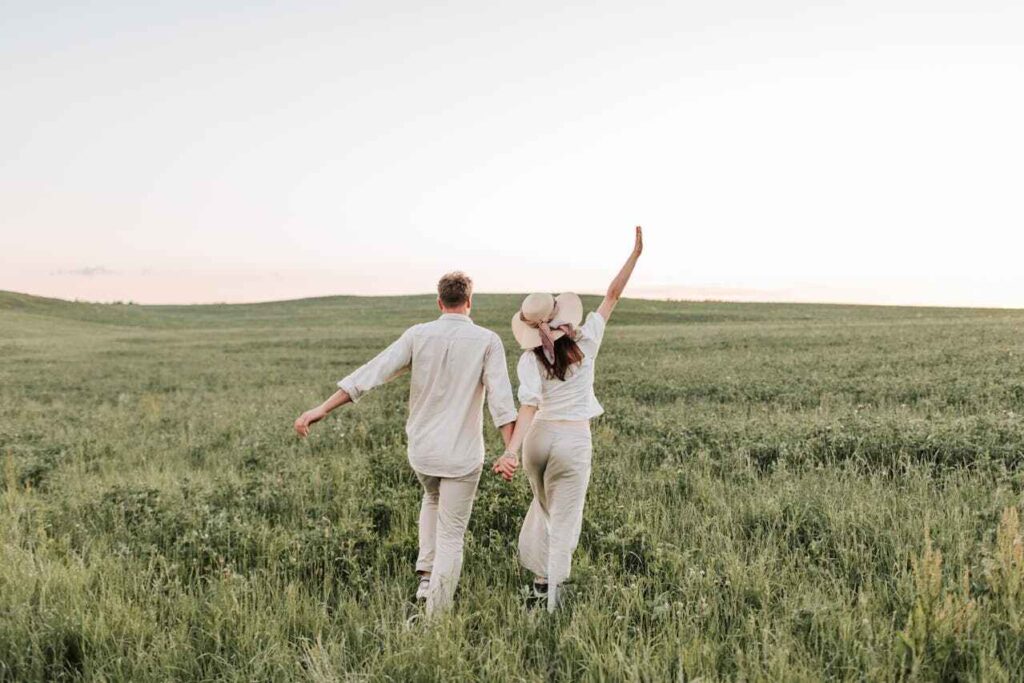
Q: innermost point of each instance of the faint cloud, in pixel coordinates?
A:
(87, 271)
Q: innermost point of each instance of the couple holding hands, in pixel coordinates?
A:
(454, 364)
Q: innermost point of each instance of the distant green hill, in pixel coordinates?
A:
(489, 309)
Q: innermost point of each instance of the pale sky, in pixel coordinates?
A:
(202, 151)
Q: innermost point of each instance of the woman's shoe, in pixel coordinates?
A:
(538, 594)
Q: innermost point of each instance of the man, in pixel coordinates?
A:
(453, 362)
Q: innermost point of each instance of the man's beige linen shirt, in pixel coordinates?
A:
(453, 362)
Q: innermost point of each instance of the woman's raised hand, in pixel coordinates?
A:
(619, 283)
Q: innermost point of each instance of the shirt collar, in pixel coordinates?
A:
(456, 316)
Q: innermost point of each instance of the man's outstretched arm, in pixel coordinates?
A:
(387, 365)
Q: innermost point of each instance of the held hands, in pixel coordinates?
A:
(506, 466)
(302, 422)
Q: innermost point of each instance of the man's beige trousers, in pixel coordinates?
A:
(444, 516)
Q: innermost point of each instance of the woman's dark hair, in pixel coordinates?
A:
(567, 354)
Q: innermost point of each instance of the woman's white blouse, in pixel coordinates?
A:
(574, 398)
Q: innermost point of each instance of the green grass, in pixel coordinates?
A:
(780, 492)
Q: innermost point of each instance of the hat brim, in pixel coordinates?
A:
(570, 310)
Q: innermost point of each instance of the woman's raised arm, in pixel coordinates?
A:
(619, 283)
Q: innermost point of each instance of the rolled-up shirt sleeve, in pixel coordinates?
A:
(530, 385)
(388, 364)
(499, 387)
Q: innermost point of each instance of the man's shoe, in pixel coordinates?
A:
(424, 588)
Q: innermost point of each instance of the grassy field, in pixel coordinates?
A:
(780, 492)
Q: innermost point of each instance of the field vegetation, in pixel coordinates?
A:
(780, 492)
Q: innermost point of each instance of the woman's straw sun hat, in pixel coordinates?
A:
(558, 313)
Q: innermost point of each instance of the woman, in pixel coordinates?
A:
(557, 402)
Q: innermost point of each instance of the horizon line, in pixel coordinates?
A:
(663, 299)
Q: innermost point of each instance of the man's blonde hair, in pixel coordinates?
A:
(454, 289)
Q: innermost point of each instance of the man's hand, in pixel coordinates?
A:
(338, 398)
(302, 422)
(638, 245)
(506, 466)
